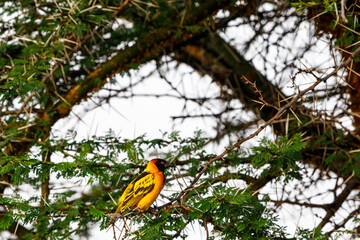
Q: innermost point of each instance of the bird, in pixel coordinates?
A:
(144, 189)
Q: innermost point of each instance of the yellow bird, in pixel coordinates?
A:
(144, 189)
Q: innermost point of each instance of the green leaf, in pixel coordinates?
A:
(6, 220)
(96, 212)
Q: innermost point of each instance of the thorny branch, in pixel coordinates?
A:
(269, 122)
(261, 98)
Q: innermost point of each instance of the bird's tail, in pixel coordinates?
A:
(115, 216)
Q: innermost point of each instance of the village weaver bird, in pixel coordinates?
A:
(144, 189)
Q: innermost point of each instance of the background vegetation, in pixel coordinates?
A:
(289, 67)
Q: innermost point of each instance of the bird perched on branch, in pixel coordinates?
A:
(144, 189)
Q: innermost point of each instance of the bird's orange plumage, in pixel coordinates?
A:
(144, 189)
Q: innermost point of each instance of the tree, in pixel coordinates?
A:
(56, 55)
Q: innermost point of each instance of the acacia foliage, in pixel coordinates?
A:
(57, 54)
(108, 164)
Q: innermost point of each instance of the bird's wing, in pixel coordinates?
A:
(136, 190)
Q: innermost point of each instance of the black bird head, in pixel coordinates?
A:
(162, 164)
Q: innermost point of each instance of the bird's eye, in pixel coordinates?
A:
(162, 162)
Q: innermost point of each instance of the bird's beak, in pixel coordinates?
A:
(167, 165)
